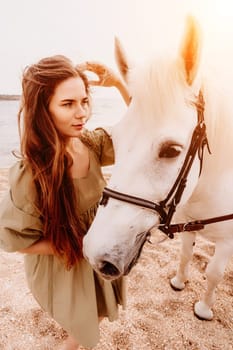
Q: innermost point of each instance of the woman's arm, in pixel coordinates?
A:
(41, 247)
(107, 78)
(124, 91)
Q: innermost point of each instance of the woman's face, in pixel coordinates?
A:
(69, 107)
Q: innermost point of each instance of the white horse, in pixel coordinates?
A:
(171, 104)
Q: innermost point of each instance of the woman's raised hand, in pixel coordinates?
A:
(107, 77)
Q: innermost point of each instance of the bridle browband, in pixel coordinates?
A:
(167, 207)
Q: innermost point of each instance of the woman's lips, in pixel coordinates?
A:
(78, 126)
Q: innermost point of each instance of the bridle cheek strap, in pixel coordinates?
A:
(199, 139)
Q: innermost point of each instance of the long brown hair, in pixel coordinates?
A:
(43, 150)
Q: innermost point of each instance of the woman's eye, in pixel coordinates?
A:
(85, 101)
(67, 104)
(170, 151)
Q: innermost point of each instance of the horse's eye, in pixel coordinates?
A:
(170, 151)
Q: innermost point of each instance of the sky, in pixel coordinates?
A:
(85, 30)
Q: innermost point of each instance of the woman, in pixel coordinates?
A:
(54, 194)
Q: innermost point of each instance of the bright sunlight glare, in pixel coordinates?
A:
(218, 15)
(216, 19)
(221, 9)
(164, 31)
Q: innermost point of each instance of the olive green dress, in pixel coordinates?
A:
(74, 298)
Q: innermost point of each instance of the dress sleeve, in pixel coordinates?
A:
(20, 225)
(102, 145)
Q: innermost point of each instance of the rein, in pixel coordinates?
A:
(167, 207)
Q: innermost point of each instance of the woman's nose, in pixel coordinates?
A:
(80, 112)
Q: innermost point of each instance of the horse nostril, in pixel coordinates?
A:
(109, 269)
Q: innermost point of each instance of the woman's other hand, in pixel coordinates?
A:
(41, 247)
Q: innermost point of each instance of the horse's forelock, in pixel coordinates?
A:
(159, 86)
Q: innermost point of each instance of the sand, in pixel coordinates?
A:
(157, 317)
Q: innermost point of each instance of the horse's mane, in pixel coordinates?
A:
(218, 115)
(157, 84)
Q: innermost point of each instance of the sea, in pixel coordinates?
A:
(105, 112)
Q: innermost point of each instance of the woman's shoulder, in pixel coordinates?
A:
(18, 172)
(22, 188)
(96, 140)
(20, 175)
(95, 137)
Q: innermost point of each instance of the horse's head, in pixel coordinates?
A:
(151, 143)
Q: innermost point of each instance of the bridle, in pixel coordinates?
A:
(167, 207)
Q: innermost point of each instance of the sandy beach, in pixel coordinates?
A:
(157, 317)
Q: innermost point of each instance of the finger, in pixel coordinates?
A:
(92, 66)
(82, 66)
(95, 67)
(94, 82)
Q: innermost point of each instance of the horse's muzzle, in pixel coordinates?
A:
(112, 270)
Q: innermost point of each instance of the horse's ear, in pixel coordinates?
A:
(191, 49)
(121, 59)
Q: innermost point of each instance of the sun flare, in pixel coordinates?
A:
(218, 14)
(217, 25)
(222, 8)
